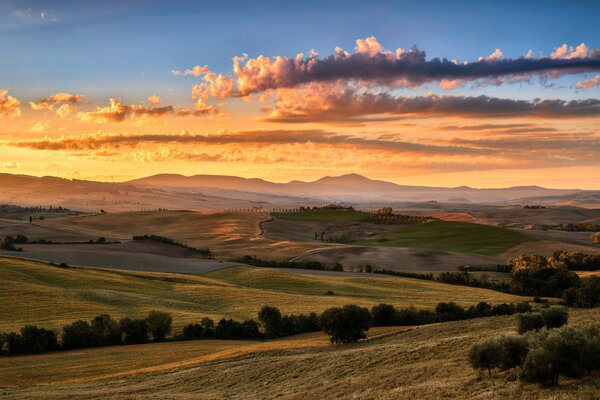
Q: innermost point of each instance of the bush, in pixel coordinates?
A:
(76, 335)
(561, 352)
(192, 332)
(270, 318)
(38, 340)
(486, 355)
(346, 324)
(450, 312)
(105, 331)
(555, 316)
(514, 352)
(530, 321)
(135, 331)
(159, 324)
(228, 329)
(384, 315)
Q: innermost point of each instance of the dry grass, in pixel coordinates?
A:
(50, 296)
(117, 361)
(425, 363)
(227, 234)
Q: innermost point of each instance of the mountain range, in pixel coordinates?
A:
(220, 191)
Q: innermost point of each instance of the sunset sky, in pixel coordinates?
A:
(485, 94)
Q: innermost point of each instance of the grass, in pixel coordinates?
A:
(429, 362)
(323, 216)
(50, 296)
(460, 237)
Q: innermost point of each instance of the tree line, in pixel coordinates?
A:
(532, 275)
(162, 239)
(549, 349)
(313, 265)
(343, 325)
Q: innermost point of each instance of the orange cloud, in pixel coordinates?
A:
(588, 83)
(154, 99)
(118, 112)
(9, 106)
(343, 103)
(49, 102)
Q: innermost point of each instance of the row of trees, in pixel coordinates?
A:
(343, 324)
(533, 275)
(314, 265)
(101, 331)
(162, 239)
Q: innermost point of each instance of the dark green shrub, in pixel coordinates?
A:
(38, 340)
(486, 355)
(105, 331)
(346, 324)
(77, 335)
(271, 319)
(384, 315)
(159, 324)
(555, 316)
(514, 352)
(530, 321)
(135, 331)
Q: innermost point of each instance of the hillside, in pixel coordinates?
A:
(429, 362)
(63, 295)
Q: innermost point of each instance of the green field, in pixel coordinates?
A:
(460, 237)
(322, 216)
(50, 296)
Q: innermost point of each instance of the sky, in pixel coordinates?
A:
(435, 93)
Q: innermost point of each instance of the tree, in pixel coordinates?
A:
(346, 324)
(134, 330)
(270, 318)
(595, 237)
(486, 355)
(105, 331)
(384, 315)
(530, 321)
(159, 324)
(555, 316)
(76, 335)
(38, 340)
(561, 352)
(15, 344)
(514, 352)
(193, 331)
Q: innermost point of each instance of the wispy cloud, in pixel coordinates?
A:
(588, 83)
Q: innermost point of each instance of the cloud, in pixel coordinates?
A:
(588, 83)
(118, 112)
(49, 102)
(105, 141)
(336, 103)
(154, 99)
(565, 52)
(9, 106)
(374, 66)
(40, 127)
(195, 71)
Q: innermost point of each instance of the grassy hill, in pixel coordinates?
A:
(50, 296)
(429, 362)
(461, 237)
(323, 216)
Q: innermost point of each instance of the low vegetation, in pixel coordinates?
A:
(314, 265)
(543, 356)
(161, 239)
